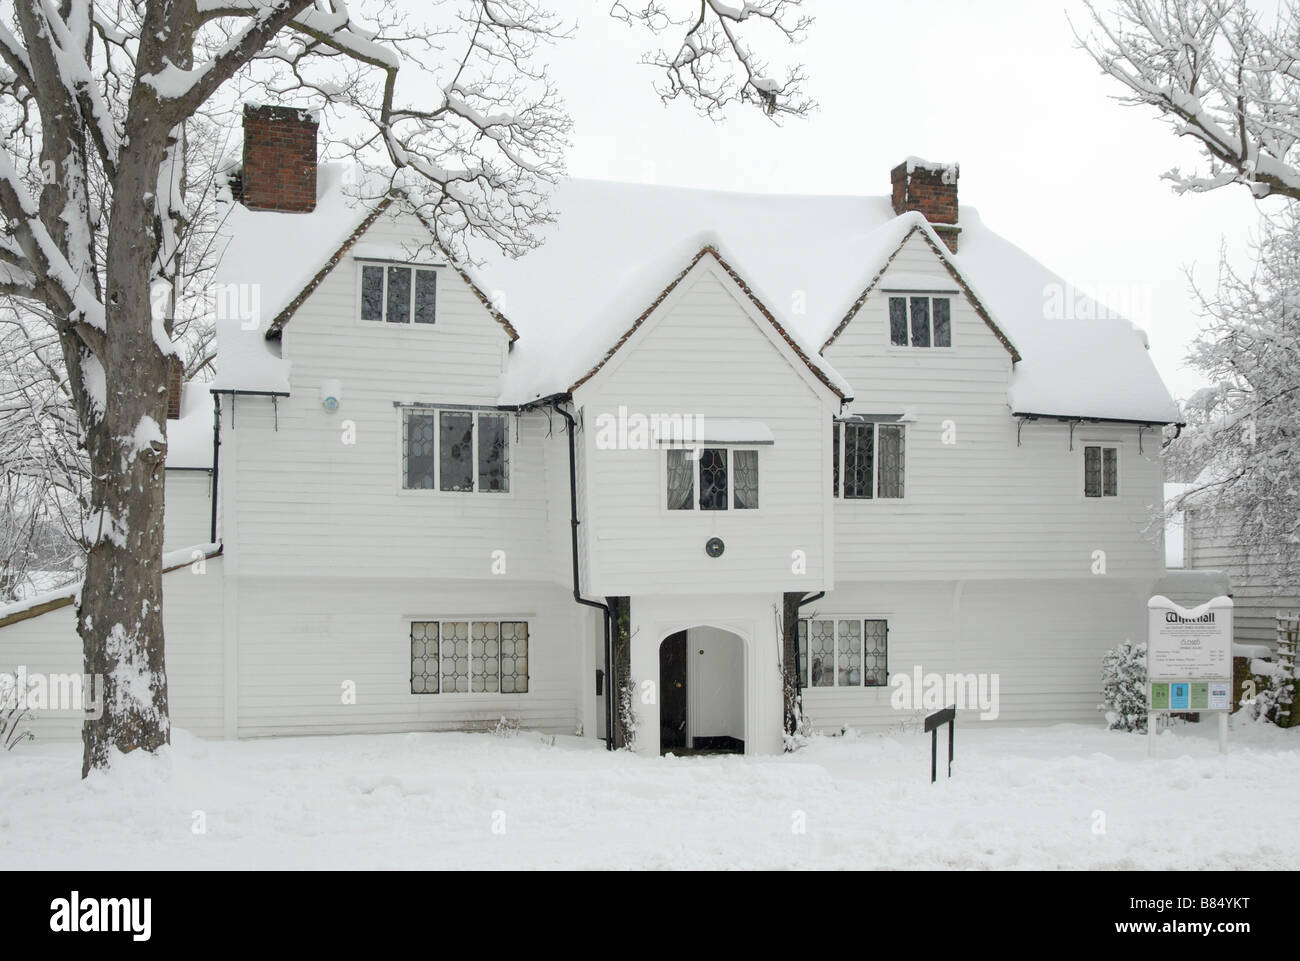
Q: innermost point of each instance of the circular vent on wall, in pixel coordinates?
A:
(714, 547)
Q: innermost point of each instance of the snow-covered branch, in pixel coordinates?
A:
(715, 64)
(1220, 74)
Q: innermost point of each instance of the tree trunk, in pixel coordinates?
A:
(120, 614)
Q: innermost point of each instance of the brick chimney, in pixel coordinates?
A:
(930, 188)
(279, 159)
(175, 381)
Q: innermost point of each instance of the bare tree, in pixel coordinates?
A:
(1219, 73)
(94, 189)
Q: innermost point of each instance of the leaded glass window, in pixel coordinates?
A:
(745, 482)
(889, 455)
(920, 308)
(484, 656)
(898, 321)
(681, 480)
(372, 293)
(455, 657)
(475, 657)
(859, 460)
(942, 310)
(456, 450)
(1100, 471)
(426, 296)
(424, 657)
(869, 460)
(920, 321)
(848, 653)
(398, 295)
(514, 657)
(875, 667)
(493, 453)
(821, 654)
(713, 479)
(843, 652)
(417, 449)
(835, 459)
(397, 308)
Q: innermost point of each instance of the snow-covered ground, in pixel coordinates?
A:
(1063, 796)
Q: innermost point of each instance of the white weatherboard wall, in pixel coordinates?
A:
(982, 506)
(705, 352)
(192, 626)
(304, 644)
(309, 503)
(1043, 639)
(187, 514)
(1259, 591)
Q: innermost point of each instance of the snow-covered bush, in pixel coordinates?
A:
(1124, 687)
(13, 715)
(506, 727)
(1273, 699)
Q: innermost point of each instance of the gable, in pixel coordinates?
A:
(941, 267)
(353, 243)
(708, 259)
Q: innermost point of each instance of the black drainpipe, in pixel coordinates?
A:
(577, 579)
(216, 459)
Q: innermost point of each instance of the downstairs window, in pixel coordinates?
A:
(469, 657)
(843, 652)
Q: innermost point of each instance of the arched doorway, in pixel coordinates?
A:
(702, 692)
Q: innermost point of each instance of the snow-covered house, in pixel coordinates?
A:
(439, 492)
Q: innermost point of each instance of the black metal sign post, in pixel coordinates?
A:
(932, 724)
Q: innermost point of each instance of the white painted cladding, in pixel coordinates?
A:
(1259, 592)
(981, 506)
(704, 352)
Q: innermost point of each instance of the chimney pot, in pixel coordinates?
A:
(175, 383)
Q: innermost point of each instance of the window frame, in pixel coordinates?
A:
(384, 322)
(436, 411)
(931, 295)
(837, 495)
(805, 663)
(694, 510)
(410, 620)
(1103, 497)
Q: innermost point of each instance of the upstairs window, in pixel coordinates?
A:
(920, 321)
(712, 479)
(1100, 471)
(868, 460)
(455, 450)
(398, 295)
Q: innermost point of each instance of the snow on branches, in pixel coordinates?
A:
(715, 65)
(1219, 73)
(1242, 439)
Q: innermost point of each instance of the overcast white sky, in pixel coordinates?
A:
(1049, 158)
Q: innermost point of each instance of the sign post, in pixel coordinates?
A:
(1189, 662)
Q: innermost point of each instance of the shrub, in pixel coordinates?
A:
(1124, 687)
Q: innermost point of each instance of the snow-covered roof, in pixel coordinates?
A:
(268, 260)
(808, 259)
(615, 247)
